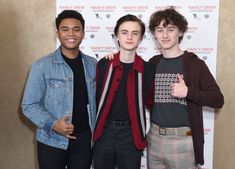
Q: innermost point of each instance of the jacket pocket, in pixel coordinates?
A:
(55, 91)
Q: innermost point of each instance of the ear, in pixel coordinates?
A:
(154, 36)
(116, 37)
(141, 38)
(57, 35)
(181, 34)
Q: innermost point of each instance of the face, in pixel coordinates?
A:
(167, 37)
(129, 35)
(70, 34)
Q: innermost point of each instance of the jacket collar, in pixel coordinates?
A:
(138, 62)
(59, 58)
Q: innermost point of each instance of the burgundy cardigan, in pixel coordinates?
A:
(140, 85)
(202, 91)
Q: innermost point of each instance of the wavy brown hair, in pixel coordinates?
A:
(169, 16)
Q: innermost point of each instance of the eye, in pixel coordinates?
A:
(158, 30)
(135, 33)
(77, 29)
(64, 29)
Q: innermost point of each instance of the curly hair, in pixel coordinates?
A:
(169, 16)
(69, 14)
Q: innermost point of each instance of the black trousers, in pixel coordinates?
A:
(116, 148)
(77, 156)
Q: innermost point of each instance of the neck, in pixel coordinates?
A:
(127, 56)
(172, 53)
(71, 54)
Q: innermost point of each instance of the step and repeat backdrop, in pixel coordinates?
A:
(201, 37)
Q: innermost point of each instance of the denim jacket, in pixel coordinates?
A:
(48, 95)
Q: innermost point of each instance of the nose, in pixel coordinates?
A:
(129, 36)
(71, 32)
(165, 34)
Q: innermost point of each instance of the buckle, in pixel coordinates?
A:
(162, 131)
(117, 123)
(189, 133)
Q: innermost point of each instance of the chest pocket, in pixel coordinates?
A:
(55, 91)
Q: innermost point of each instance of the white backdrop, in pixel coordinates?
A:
(201, 37)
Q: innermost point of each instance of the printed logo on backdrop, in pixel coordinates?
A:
(201, 12)
(91, 31)
(103, 12)
(191, 30)
(142, 49)
(100, 51)
(203, 53)
(139, 11)
(135, 9)
(110, 29)
(157, 50)
(76, 8)
(160, 7)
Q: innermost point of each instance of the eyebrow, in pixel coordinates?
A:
(125, 30)
(71, 27)
(168, 26)
(172, 26)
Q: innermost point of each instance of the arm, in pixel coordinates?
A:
(150, 96)
(208, 93)
(32, 104)
(100, 75)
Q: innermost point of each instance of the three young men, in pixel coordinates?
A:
(59, 99)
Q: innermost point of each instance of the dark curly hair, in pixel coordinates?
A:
(169, 16)
(127, 18)
(69, 14)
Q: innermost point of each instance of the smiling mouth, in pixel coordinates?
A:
(71, 40)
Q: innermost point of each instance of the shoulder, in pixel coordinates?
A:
(44, 60)
(192, 61)
(103, 63)
(149, 69)
(191, 57)
(148, 65)
(89, 58)
(155, 58)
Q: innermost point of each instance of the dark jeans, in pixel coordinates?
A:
(116, 148)
(77, 156)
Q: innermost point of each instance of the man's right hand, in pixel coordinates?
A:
(64, 127)
(109, 56)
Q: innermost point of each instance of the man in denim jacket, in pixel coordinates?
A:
(59, 98)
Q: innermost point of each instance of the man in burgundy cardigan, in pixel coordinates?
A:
(183, 85)
(123, 87)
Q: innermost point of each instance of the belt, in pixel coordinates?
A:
(118, 123)
(178, 131)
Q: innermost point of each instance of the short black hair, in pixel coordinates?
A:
(69, 14)
(169, 16)
(131, 18)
